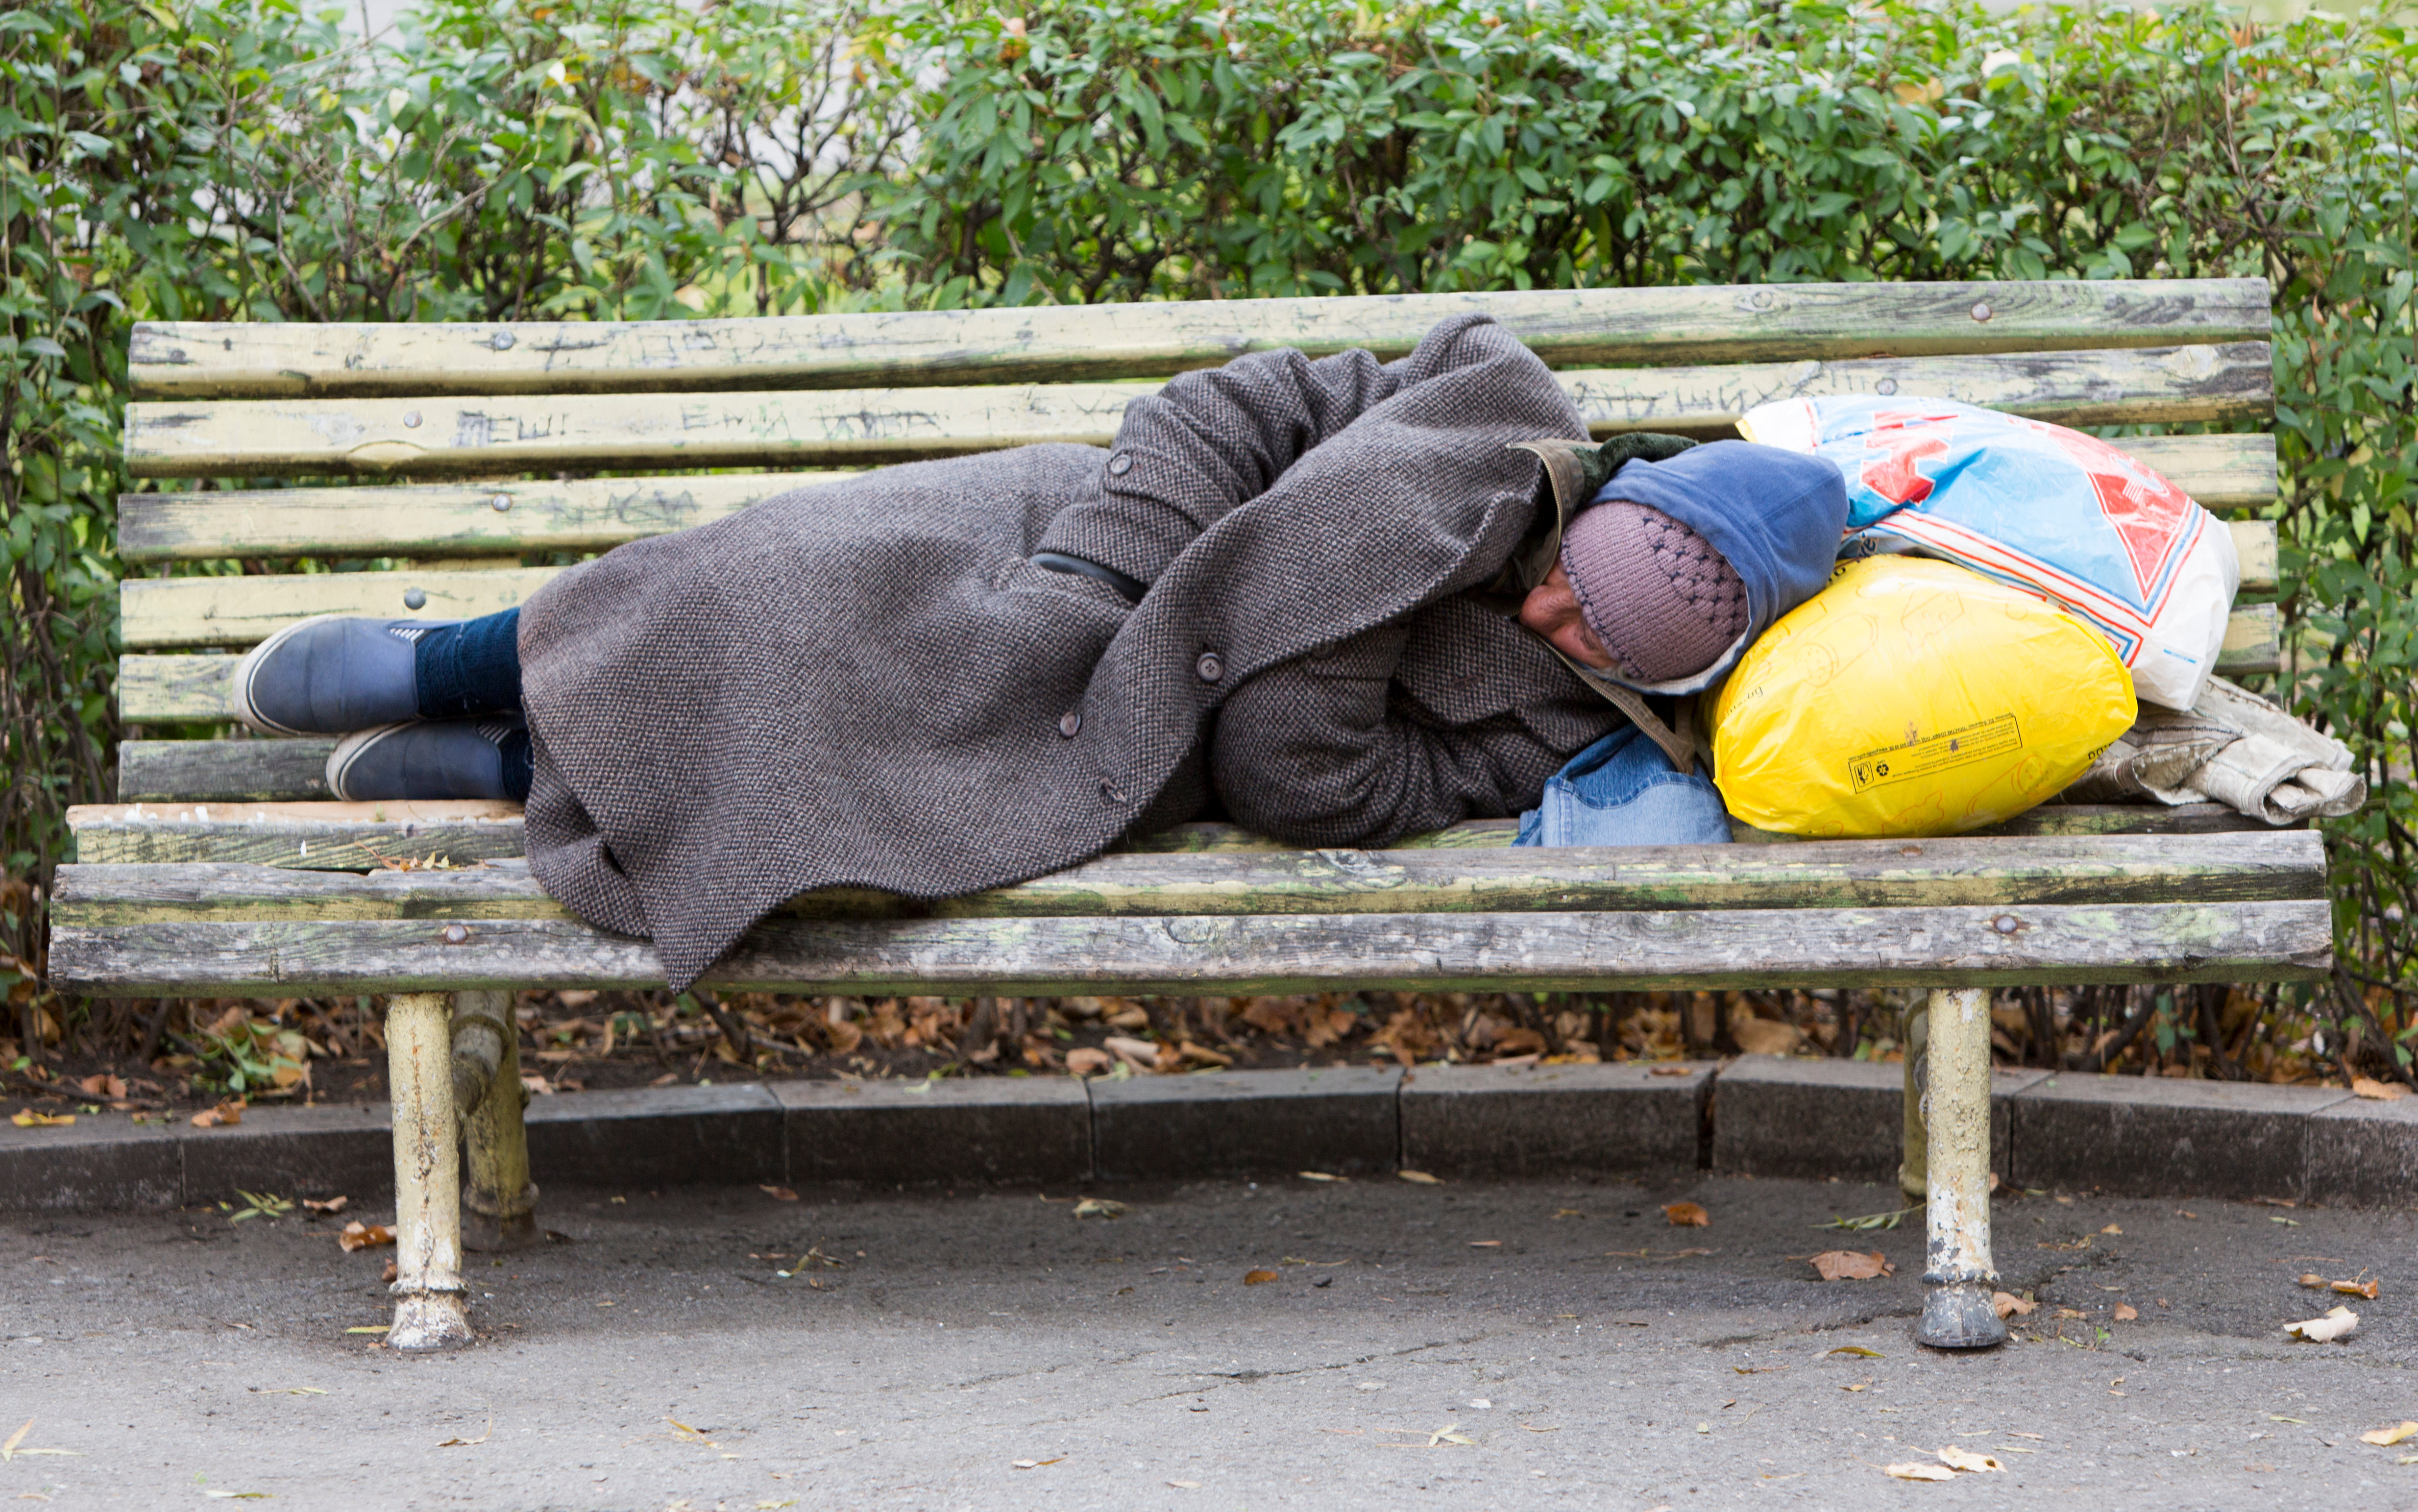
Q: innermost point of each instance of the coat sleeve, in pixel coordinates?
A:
(1355, 747)
(1207, 442)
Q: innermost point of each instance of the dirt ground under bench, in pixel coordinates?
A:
(1470, 1345)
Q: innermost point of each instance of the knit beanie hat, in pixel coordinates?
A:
(1662, 600)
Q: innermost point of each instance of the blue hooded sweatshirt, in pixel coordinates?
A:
(1778, 521)
(1776, 515)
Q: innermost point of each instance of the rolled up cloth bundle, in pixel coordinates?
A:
(2232, 747)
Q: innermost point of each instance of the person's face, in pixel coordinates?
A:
(1552, 610)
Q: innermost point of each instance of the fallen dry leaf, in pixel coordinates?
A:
(778, 1194)
(1258, 1278)
(1186, 1485)
(2007, 1305)
(2126, 1312)
(370, 1328)
(1034, 1464)
(1919, 1472)
(2349, 1288)
(2338, 1323)
(1766, 1036)
(1421, 1177)
(1858, 1351)
(330, 1206)
(2111, 1229)
(103, 1085)
(1686, 1215)
(1851, 1265)
(2389, 1435)
(388, 1274)
(1321, 1176)
(1141, 1055)
(31, 1120)
(359, 1235)
(2381, 1092)
(1668, 1070)
(1486, 1243)
(1956, 1458)
(1099, 1207)
(1086, 1061)
(228, 1112)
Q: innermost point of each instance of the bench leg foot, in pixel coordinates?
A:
(1957, 1271)
(500, 1197)
(428, 1291)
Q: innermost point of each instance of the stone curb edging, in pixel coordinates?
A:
(1757, 1116)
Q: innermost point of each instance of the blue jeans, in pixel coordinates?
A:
(1622, 790)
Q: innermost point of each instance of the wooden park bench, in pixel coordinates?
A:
(450, 457)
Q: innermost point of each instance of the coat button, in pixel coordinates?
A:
(1120, 463)
(1210, 666)
(1070, 724)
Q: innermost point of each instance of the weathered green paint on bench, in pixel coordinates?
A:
(793, 428)
(356, 837)
(1699, 949)
(1737, 323)
(1816, 875)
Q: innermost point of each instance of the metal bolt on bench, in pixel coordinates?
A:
(224, 870)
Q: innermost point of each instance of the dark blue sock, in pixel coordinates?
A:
(470, 668)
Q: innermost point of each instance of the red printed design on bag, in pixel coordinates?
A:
(1903, 435)
(2151, 515)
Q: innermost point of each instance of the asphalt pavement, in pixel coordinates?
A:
(1472, 1345)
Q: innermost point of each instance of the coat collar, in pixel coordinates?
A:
(1566, 482)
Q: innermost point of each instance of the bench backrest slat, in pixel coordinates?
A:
(2223, 472)
(1654, 327)
(790, 428)
(160, 612)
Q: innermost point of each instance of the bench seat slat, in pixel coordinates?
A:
(2222, 472)
(1693, 949)
(852, 426)
(1569, 328)
(1815, 875)
(241, 611)
(360, 837)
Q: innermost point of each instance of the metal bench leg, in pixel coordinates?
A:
(501, 1198)
(1956, 1311)
(427, 1176)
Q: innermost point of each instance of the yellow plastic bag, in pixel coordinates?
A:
(1913, 697)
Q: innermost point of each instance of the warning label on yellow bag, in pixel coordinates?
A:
(1957, 748)
(1913, 697)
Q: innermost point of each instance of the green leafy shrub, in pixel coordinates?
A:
(638, 159)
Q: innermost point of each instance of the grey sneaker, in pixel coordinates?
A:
(332, 675)
(424, 758)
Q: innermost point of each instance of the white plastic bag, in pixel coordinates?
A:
(2047, 509)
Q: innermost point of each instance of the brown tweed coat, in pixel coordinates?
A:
(869, 683)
